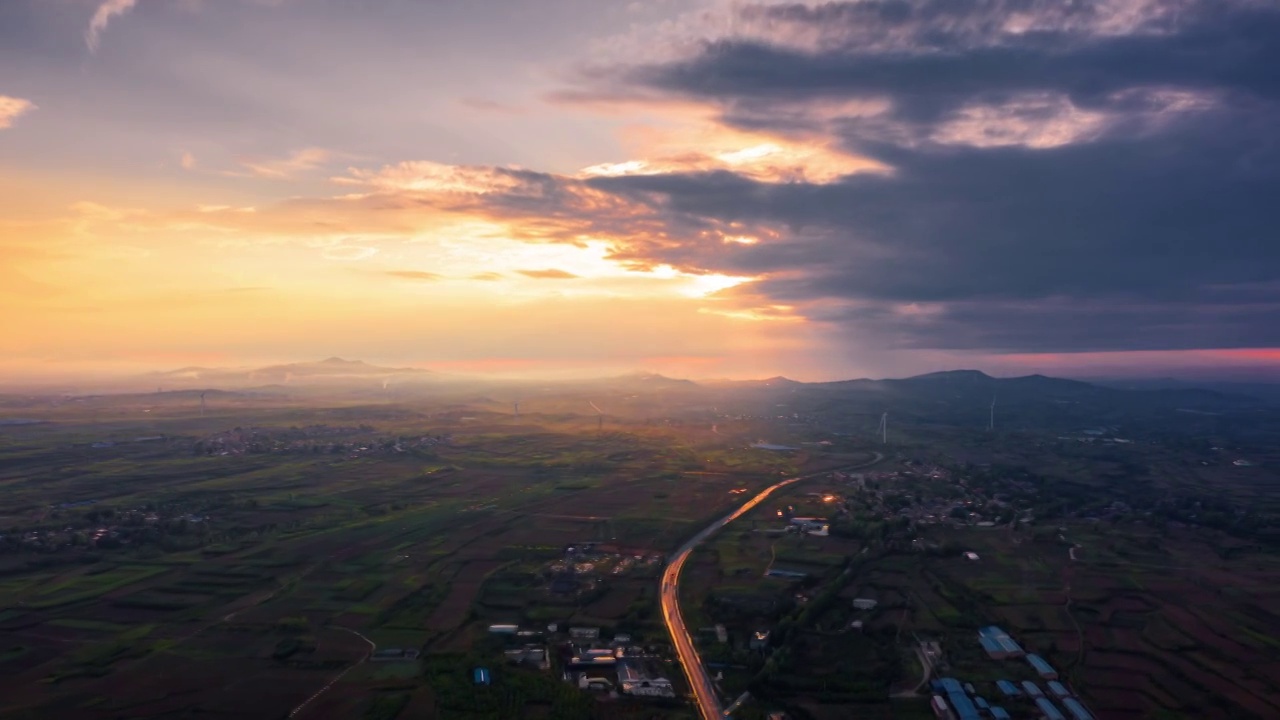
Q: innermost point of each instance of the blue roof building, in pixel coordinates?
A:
(1045, 669)
(964, 707)
(481, 676)
(981, 703)
(1076, 709)
(997, 642)
(999, 713)
(1050, 711)
(1058, 689)
(1008, 688)
(1032, 689)
(951, 685)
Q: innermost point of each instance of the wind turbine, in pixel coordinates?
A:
(201, 404)
(599, 415)
(516, 406)
(991, 424)
(884, 429)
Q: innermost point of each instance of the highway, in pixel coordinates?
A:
(703, 690)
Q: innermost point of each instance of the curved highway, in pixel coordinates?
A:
(703, 691)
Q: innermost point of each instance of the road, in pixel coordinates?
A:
(703, 690)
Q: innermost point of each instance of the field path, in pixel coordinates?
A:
(372, 647)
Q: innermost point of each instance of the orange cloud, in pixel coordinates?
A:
(285, 168)
(412, 275)
(549, 274)
(11, 108)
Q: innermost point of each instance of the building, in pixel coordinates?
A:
(864, 603)
(810, 523)
(529, 654)
(1045, 669)
(998, 644)
(964, 707)
(759, 640)
(481, 676)
(578, 662)
(950, 685)
(594, 684)
(941, 709)
(635, 682)
(584, 633)
(1031, 689)
(393, 655)
(1077, 710)
(1058, 689)
(961, 707)
(971, 556)
(999, 713)
(1008, 688)
(785, 574)
(504, 629)
(1049, 709)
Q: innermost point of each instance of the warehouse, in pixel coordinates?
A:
(1045, 669)
(1031, 689)
(963, 706)
(1008, 688)
(1076, 709)
(1050, 711)
(997, 643)
(1058, 689)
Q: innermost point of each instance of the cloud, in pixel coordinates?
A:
(102, 17)
(548, 274)
(188, 161)
(1013, 176)
(490, 106)
(413, 275)
(285, 168)
(487, 276)
(11, 108)
(348, 253)
(1057, 176)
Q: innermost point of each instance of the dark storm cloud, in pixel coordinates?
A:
(1116, 189)
(1233, 51)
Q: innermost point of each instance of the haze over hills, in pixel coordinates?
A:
(965, 385)
(330, 370)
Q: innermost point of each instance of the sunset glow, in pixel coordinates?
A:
(615, 182)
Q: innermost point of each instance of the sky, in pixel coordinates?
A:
(704, 188)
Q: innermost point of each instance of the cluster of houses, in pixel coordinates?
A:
(956, 701)
(591, 663)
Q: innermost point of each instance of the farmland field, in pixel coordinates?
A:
(250, 561)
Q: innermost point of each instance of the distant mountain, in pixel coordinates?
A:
(1259, 390)
(952, 376)
(332, 370)
(653, 380)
